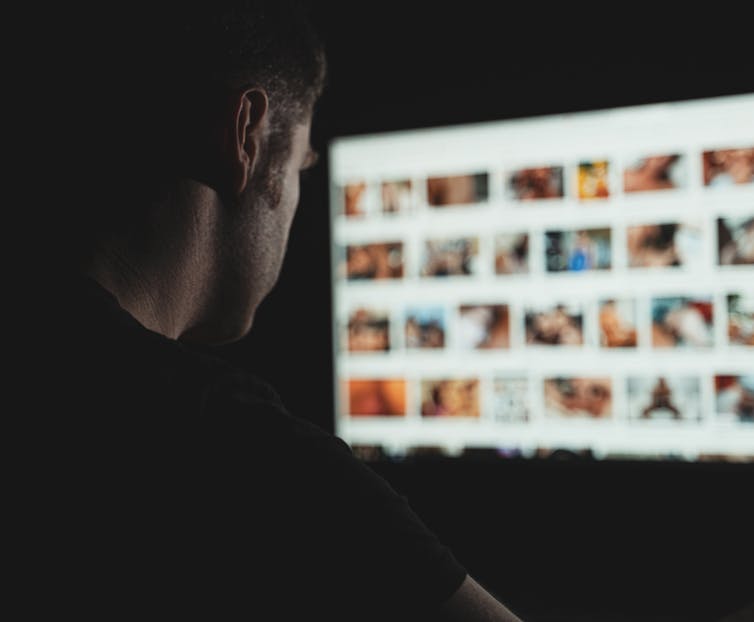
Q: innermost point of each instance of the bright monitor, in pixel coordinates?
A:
(579, 282)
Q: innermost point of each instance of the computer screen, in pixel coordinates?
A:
(579, 282)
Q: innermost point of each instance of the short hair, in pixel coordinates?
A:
(143, 76)
(211, 44)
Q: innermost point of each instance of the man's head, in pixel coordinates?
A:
(193, 120)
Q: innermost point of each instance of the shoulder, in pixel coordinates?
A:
(324, 512)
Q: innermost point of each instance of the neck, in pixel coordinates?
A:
(161, 274)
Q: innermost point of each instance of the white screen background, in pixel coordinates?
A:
(618, 137)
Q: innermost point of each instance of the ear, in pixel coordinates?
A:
(250, 122)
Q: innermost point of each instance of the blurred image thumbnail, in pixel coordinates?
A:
(656, 172)
(735, 241)
(450, 398)
(510, 399)
(560, 325)
(728, 167)
(526, 184)
(424, 452)
(368, 453)
(450, 257)
(664, 398)
(578, 397)
(377, 397)
(564, 454)
(368, 331)
(741, 319)
(457, 190)
(478, 453)
(592, 180)
(577, 251)
(483, 327)
(425, 327)
(512, 253)
(617, 321)
(354, 198)
(397, 196)
(734, 397)
(707, 457)
(663, 245)
(681, 321)
(383, 260)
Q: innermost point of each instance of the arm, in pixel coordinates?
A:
(472, 603)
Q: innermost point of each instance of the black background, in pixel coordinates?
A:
(556, 540)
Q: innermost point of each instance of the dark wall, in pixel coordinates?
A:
(659, 541)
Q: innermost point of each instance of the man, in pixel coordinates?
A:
(172, 485)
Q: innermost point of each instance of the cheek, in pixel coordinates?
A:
(290, 196)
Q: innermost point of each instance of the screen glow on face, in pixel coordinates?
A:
(580, 282)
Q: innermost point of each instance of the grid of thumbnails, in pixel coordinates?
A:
(431, 313)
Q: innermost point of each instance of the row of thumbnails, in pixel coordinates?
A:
(565, 398)
(676, 321)
(665, 172)
(371, 452)
(671, 244)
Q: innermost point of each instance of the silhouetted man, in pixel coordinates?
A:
(175, 486)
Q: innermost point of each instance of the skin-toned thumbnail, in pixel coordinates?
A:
(450, 397)
(728, 167)
(397, 196)
(457, 190)
(450, 257)
(512, 253)
(663, 245)
(368, 330)
(355, 199)
(376, 397)
(557, 325)
(529, 184)
(735, 241)
(654, 172)
(584, 397)
(376, 261)
(425, 327)
(617, 323)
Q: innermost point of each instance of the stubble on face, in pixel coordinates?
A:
(255, 232)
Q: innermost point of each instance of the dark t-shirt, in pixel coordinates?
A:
(174, 485)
